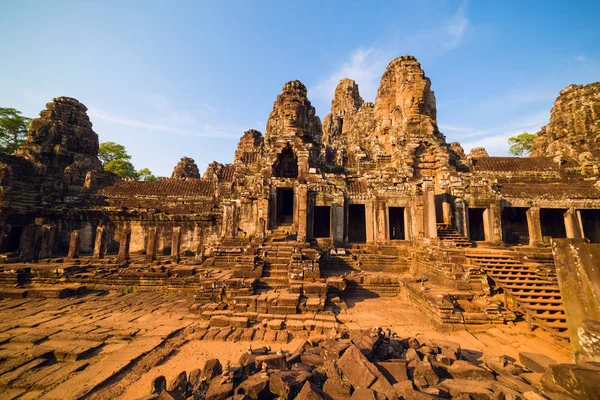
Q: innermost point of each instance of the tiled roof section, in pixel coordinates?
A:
(189, 187)
(227, 173)
(515, 164)
(550, 191)
(357, 187)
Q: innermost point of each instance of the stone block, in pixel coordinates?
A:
(535, 362)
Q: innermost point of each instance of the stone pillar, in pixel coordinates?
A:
(200, 237)
(337, 224)
(429, 219)
(460, 217)
(47, 242)
(99, 242)
(572, 226)
(370, 222)
(446, 209)
(301, 200)
(151, 244)
(4, 236)
(176, 244)
(124, 244)
(30, 243)
(74, 244)
(382, 233)
(534, 226)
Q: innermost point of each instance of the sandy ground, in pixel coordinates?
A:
(193, 355)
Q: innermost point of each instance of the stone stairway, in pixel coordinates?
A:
(336, 265)
(532, 287)
(277, 257)
(446, 232)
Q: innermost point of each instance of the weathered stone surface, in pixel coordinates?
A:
(535, 362)
(579, 380)
(186, 168)
(337, 389)
(219, 390)
(462, 369)
(311, 392)
(394, 371)
(211, 368)
(352, 365)
(425, 375)
(573, 130)
(287, 384)
(256, 386)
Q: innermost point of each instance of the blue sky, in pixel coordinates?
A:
(173, 78)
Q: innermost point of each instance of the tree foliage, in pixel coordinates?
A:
(13, 129)
(115, 159)
(146, 175)
(520, 145)
(110, 151)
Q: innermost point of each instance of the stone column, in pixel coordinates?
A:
(370, 223)
(382, 233)
(74, 244)
(301, 198)
(446, 209)
(124, 244)
(429, 219)
(176, 244)
(4, 236)
(200, 237)
(534, 226)
(151, 244)
(29, 244)
(100, 242)
(572, 226)
(337, 224)
(47, 242)
(460, 218)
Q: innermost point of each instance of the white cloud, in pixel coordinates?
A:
(456, 27)
(366, 65)
(202, 130)
(581, 58)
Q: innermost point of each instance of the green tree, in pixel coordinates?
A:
(13, 129)
(520, 145)
(123, 168)
(110, 151)
(146, 175)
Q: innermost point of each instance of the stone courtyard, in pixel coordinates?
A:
(360, 257)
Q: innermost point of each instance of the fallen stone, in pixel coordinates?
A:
(287, 384)
(218, 390)
(212, 368)
(363, 394)
(462, 369)
(256, 387)
(313, 360)
(158, 384)
(194, 377)
(477, 390)
(394, 371)
(425, 375)
(579, 380)
(535, 362)
(353, 368)
(311, 392)
(273, 361)
(179, 384)
(337, 389)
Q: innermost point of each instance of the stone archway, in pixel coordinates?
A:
(286, 164)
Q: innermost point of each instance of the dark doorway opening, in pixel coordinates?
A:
(590, 219)
(553, 222)
(285, 206)
(286, 165)
(476, 227)
(322, 222)
(396, 219)
(357, 225)
(14, 238)
(514, 225)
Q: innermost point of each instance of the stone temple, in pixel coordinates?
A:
(372, 201)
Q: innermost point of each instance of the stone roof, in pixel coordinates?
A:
(515, 164)
(550, 191)
(227, 173)
(190, 187)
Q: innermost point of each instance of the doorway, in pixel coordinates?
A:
(322, 222)
(476, 226)
(285, 206)
(357, 226)
(590, 219)
(553, 222)
(396, 222)
(514, 225)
